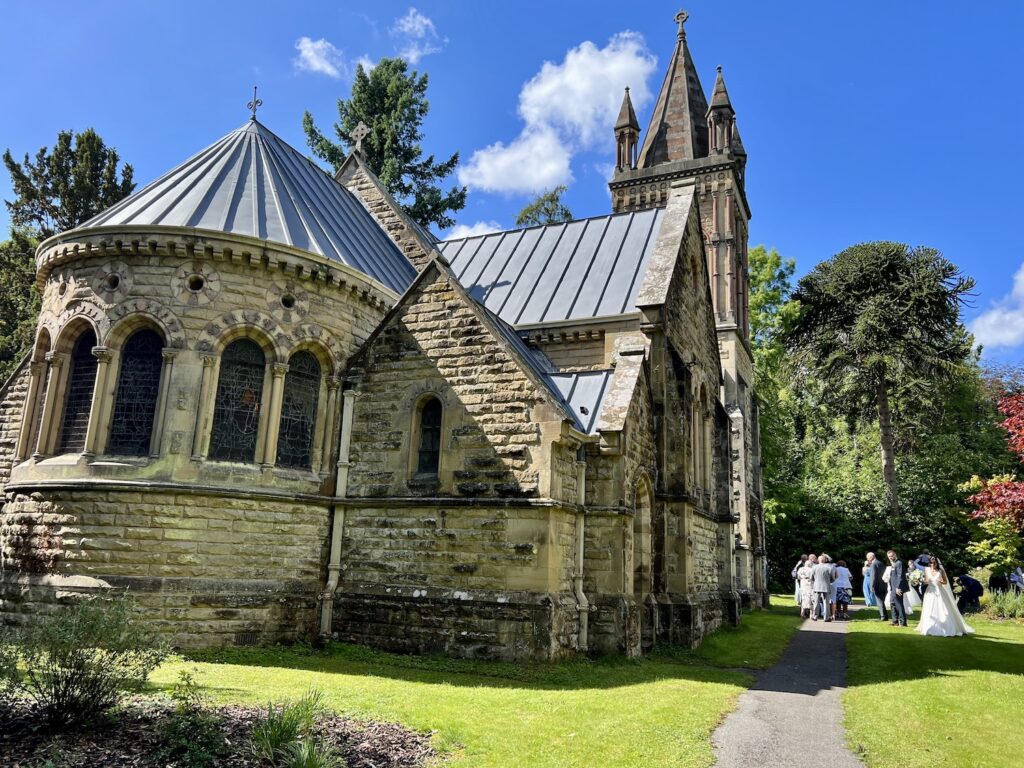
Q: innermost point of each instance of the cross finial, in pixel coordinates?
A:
(359, 133)
(680, 19)
(255, 103)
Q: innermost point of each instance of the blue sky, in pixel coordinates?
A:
(862, 121)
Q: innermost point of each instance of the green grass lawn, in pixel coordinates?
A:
(656, 711)
(934, 701)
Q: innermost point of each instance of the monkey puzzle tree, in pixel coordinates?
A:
(880, 319)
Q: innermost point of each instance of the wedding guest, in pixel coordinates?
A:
(822, 578)
(998, 582)
(844, 591)
(878, 585)
(1017, 579)
(805, 574)
(796, 577)
(869, 595)
(970, 594)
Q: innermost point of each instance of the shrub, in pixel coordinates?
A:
(191, 736)
(310, 753)
(273, 737)
(1004, 605)
(76, 662)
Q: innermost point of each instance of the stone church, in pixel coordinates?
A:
(273, 408)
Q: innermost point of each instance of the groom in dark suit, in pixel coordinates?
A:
(877, 585)
(898, 586)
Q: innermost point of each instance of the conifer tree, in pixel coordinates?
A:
(392, 102)
(547, 208)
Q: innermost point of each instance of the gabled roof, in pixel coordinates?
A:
(678, 128)
(252, 183)
(557, 272)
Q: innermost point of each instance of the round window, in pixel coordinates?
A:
(288, 301)
(112, 281)
(62, 289)
(196, 283)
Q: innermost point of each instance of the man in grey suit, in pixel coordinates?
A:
(822, 577)
(876, 583)
(898, 586)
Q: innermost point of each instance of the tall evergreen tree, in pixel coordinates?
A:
(392, 102)
(61, 189)
(19, 301)
(547, 208)
(876, 319)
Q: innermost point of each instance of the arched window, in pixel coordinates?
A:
(429, 459)
(138, 384)
(236, 415)
(298, 411)
(78, 403)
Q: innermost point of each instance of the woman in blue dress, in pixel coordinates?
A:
(869, 595)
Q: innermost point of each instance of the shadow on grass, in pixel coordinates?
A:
(723, 658)
(885, 654)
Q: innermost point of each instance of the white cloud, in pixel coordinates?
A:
(534, 161)
(417, 34)
(320, 56)
(472, 230)
(367, 63)
(1003, 324)
(567, 108)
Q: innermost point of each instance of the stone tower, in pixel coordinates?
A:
(688, 138)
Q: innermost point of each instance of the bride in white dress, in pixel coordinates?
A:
(939, 614)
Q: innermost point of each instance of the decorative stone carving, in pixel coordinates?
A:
(286, 301)
(174, 332)
(113, 281)
(195, 283)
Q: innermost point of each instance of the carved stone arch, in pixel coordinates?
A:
(77, 312)
(321, 342)
(232, 325)
(135, 313)
(48, 322)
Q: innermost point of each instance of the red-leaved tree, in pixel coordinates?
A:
(1002, 497)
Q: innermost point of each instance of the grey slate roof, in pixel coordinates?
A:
(581, 269)
(252, 183)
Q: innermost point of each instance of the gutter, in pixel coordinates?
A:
(338, 516)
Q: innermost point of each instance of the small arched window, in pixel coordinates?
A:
(236, 415)
(298, 411)
(138, 385)
(78, 402)
(429, 459)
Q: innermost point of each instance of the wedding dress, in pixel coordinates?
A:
(908, 604)
(939, 614)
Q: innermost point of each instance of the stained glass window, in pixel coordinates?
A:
(138, 385)
(430, 438)
(81, 380)
(298, 411)
(236, 415)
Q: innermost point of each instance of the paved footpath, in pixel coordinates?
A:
(793, 715)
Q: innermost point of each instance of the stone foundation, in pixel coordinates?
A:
(512, 626)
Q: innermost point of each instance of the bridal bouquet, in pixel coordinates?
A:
(915, 578)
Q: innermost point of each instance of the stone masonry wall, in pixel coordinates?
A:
(12, 404)
(204, 569)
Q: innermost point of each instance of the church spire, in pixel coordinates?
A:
(627, 132)
(721, 119)
(677, 130)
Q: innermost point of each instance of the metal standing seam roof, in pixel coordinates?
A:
(557, 272)
(252, 183)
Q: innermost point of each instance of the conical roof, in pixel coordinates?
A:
(678, 130)
(252, 183)
(720, 96)
(627, 117)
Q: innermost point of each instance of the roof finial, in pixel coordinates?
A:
(680, 19)
(359, 133)
(255, 103)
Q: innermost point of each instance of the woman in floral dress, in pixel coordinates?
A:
(806, 588)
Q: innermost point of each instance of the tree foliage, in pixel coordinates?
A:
(392, 102)
(67, 186)
(547, 208)
(879, 320)
(1001, 498)
(19, 300)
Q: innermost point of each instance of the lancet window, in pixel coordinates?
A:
(78, 402)
(429, 459)
(138, 386)
(236, 415)
(298, 411)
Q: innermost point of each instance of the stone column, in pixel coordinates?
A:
(52, 404)
(99, 387)
(272, 426)
(37, 377)
(163, 396)
(324, 457)
(201, 434)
